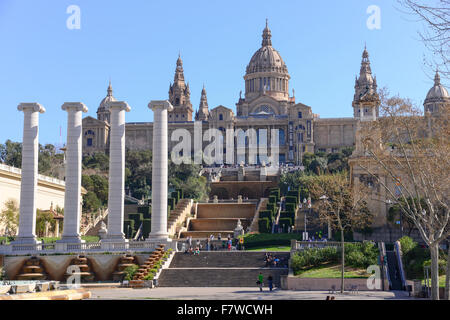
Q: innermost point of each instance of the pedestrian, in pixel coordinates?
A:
(270, 282)
(260, 281)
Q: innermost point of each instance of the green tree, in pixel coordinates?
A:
(11, 153)
(9, 216)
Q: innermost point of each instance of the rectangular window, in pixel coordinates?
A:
(299, 114)
(89, 142)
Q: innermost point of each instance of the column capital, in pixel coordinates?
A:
(33, 106)
(121, 105)
(77, 106)
(160, 104)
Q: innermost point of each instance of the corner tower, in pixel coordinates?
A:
(180, 96)
(366, 100)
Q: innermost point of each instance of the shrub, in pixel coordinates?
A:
(355, 259)
(130, 271)
(180, 191)
(442, 265)
(407, 244)
(264, 225)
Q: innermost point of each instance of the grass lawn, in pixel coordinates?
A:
(332, 271)
(271, 249)
(441, 281)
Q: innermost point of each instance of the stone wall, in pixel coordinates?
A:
(315, 284)
(225, 210)
(102, 265)
(333, 133)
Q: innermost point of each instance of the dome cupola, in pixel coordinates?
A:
(437, 96)
(266, 72)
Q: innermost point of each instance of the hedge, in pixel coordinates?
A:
(146, 227)
(272, 199)
(176, 196)
(137, 218)
(145, 210)
(180, 191)
(266, 214)
(291, 207)
(264, 225)
(294, 193)
(291, 199)
(271, 207)
(171, 203)
(287, 214)
(128, 227)
(285, 222)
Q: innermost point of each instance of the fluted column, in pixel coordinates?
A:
(159, 170)
(30, 153)
(72, 196)
(116, 171)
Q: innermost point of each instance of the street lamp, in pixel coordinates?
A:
(305, 234)
(325, 198)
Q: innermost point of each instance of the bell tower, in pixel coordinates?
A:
(180, 96)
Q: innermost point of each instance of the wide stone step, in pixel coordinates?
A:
(214, 224)
(206, 234)
(221, 259)
(214, 277)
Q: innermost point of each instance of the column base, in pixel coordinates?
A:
(70, 239)
(158, 238)
(114, 238)
(26, 240)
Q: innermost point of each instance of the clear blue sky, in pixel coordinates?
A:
(136, 44)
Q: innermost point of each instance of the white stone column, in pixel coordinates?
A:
(160, 170)
(374, 113)
(72, 196)
(30, 153)
(116, 171)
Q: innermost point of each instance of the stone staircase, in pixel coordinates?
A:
(219, 218)
(221, 269)
(179, 215)
(83, 264)
(32, 269)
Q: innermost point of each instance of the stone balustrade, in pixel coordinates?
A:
(86, 247)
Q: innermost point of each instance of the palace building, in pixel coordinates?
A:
(266, 104)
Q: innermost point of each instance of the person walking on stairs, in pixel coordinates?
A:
(260, 281)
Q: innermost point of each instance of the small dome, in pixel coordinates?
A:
(438, 91)
(109, 97)
(266, 59)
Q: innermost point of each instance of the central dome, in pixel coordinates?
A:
(266, 59)
(266, 73)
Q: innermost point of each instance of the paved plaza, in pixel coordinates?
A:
(237, 294)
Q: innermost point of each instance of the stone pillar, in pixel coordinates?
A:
(374, 113)
(30, 152)
(116, 171)
(160, 170)
(72, 196)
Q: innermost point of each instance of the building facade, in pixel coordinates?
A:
(266, 104)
